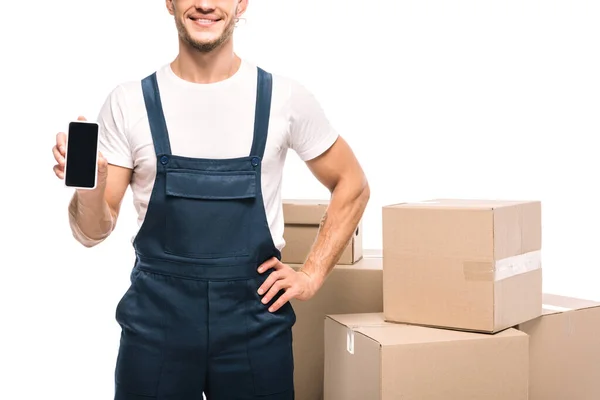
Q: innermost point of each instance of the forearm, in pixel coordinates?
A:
(346, 208)
(90, 218)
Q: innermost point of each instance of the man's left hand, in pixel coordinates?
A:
(296, 284)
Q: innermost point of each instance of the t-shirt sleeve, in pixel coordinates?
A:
(311, 132)
(113, 142)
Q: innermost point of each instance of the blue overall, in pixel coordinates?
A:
(192, 320)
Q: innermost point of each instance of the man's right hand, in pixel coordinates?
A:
(59, 151)
(93, 213)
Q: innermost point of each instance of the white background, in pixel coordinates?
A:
(474, 99)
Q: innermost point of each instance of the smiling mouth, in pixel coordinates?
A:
(205, 21)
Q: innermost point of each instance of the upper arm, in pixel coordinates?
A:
(338, 164)
(313, 138)
(117, 181)
(115, 147)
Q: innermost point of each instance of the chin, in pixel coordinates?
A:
(203, 43)
(204, 37)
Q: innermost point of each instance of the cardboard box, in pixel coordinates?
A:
(354, 288)
(470, 265)
(302, 220)
(367, 358)
(564, 346)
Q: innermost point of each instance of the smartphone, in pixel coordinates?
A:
(81, 162)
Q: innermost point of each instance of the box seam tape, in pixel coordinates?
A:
(350, 334)
(504, 268)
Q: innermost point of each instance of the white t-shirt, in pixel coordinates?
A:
(214, 120)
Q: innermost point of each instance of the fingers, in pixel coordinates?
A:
(81, 118)
(284, 298)
(59, 152)
(59, 156)
(270, 263)
(59, 171)
(275, 288)
(61, 143)
(271, 279)
(283, 278)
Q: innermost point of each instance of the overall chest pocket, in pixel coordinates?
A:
(209, 214)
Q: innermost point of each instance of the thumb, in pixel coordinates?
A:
(81, 118)
(102, 163)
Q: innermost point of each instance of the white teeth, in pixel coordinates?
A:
(204, 21)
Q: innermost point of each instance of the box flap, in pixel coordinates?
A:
(304, 211)
(390, 334)
(476, 204)
(554, 303)
(477, 231)
(359, 320)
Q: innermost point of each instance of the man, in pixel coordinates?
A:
(202, 142)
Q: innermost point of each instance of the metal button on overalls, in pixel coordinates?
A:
(192, 320)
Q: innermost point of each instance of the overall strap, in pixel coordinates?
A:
(262, 113)
(156, 117)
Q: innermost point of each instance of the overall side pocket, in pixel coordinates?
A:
(133, 276)
(142, 321)
(270, 349)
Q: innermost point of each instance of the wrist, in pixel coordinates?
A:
(90, 214)
(316, 280)
(90, 199)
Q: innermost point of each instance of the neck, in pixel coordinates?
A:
(196, 67)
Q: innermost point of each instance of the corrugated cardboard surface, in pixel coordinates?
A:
(440, 259)
(389, 361)
(354, 288)
(304, 211)
(565, 350)
(302, 219)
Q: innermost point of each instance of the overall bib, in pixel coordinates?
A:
(192, 320)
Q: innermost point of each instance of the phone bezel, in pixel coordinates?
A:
(95, 157)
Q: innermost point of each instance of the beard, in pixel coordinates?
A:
(205, 46)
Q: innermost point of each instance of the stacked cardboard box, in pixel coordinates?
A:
(564, 350)
(467, 265)
(368, 358)
(457, 312)
(458, 275)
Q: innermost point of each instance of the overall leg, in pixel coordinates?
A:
(250, 349)
(162, 353)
